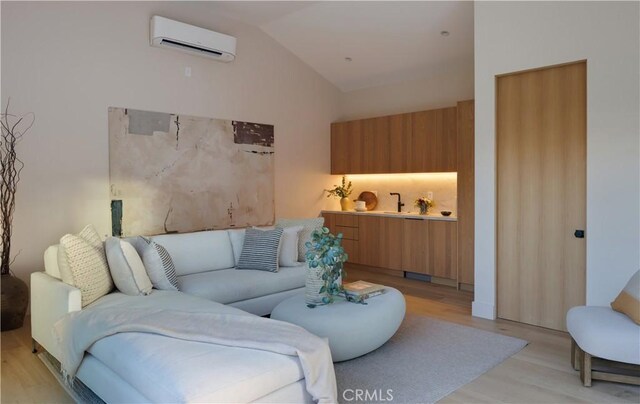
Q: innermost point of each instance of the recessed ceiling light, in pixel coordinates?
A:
(444, 33)
(348, 59)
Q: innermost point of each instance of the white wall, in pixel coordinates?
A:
(440, 89)
(512, 36)
(68, 62)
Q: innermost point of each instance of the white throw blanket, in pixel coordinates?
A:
(77, 331)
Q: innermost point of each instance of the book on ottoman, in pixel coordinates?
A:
(363, 290)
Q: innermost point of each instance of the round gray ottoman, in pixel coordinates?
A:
(352, 329)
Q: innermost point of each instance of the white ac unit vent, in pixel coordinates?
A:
(177, 35)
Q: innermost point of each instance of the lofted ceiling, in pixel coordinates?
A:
(388, 41)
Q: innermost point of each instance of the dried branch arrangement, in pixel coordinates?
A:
(13, 129)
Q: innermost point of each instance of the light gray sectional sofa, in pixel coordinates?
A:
(118, 367)
(205, 265)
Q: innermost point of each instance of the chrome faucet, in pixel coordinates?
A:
(400, 204)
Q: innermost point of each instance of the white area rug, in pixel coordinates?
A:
(425, 361)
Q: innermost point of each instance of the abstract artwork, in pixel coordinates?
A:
(178, 173)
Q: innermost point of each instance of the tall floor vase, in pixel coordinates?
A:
(15, 298)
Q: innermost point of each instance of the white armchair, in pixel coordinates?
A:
(600, 333)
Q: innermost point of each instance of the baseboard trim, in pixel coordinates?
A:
(483, 310)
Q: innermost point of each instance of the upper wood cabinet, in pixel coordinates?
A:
(415, 142)
(339, 148)
(399, 139)
(346, 147)
(433, 144)
(375, 145)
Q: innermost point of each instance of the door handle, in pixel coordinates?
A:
(579, 233)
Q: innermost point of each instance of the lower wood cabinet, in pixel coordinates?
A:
(348, 226)
(430, 247)
(402, 244)
(352, 248)
(380, 241)
(415, 240)
(442, 249)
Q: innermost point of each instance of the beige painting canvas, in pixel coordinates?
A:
(178, 173)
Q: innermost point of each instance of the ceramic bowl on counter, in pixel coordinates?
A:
(361, 206)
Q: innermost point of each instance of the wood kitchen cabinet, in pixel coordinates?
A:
(339, 148)
(399, 137)
(414, 246)
(430, 247)
(380, 241)
(400, 244)
(360, 147)
(466, 204)
(348, 226)
(433, 143)
(423, 141)
(442, 249)
(375, 145)
(347, 147)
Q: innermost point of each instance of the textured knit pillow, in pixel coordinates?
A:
(309, 225)
(159, 265)
(628, 301)
(260, 250)
(127, 269)
(83, 264)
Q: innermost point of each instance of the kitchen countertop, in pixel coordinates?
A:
(408, 215)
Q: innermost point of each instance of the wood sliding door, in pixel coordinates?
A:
(541, 193)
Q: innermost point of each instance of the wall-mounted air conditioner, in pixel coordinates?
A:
(176, 35)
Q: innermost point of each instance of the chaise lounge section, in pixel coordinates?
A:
(139, 367)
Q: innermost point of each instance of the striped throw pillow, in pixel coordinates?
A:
(158, 264)
(260, 250)
(628, 301)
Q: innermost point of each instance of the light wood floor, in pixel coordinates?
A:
(25, 379)
(540, 373)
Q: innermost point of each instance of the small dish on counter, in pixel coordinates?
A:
(445, 213)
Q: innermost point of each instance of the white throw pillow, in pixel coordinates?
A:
(127, 269)
(237, 241)
(158, 263)
(309, 225)
(289, 246)
(82, 264)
